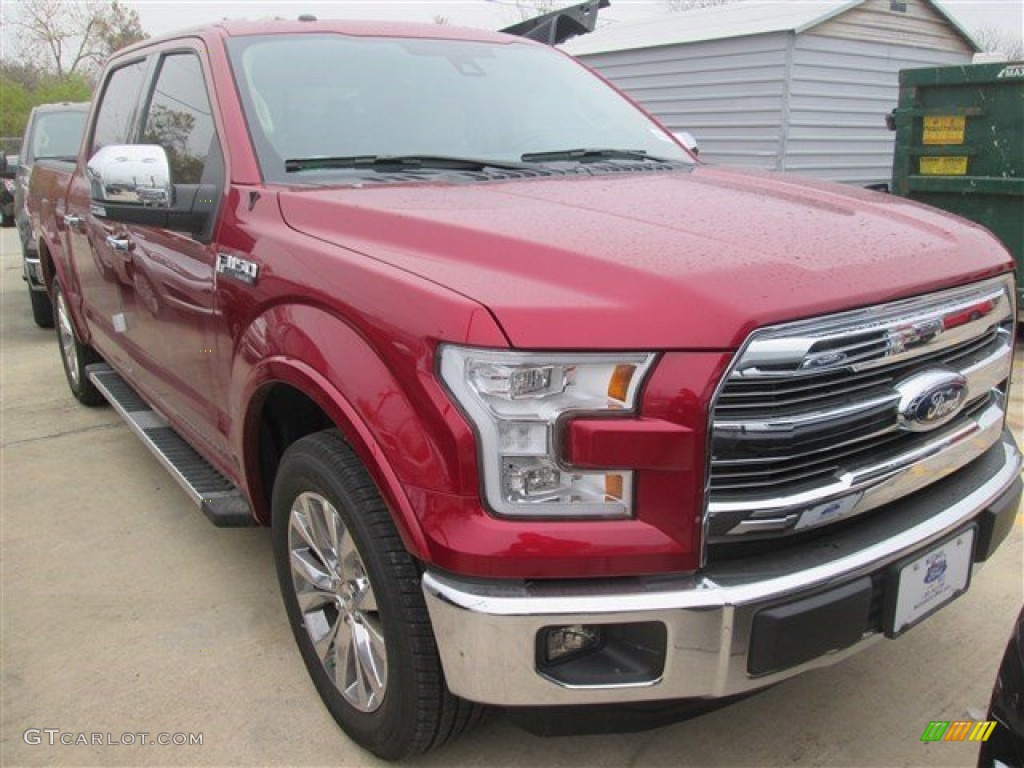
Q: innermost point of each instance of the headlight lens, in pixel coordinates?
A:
(515, 400)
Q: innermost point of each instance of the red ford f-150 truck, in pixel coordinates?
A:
(541, 411)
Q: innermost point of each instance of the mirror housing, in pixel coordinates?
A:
(687, 140)
(131, 183)
(131, 174)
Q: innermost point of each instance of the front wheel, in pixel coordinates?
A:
(74, 354)
(353, 597)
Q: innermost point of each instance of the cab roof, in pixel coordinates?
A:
(63, 106)
(351, 27)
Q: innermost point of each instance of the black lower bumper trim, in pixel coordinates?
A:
(795, 632)
(996, 522)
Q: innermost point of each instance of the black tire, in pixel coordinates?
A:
(42, 308)
(73, 353)
(416, 712)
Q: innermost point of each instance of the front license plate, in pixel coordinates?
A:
(928, 582)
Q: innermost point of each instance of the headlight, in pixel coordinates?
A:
(515, 399)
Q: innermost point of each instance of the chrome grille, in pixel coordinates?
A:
(822, 420)
(760, 394)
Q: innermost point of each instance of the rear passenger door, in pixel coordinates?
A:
(169, 296)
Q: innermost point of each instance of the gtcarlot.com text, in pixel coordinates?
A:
(56, 737)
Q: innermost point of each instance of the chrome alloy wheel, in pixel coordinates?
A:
(335, 596)
(67, 340)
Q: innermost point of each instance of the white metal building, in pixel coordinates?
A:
(792, 86)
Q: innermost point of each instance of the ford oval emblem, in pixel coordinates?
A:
(930, 399)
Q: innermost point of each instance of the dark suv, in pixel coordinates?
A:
(53, 131)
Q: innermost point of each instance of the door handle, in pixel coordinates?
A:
(70, 220)
(119, 244)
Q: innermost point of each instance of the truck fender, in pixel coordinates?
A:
(322, 357)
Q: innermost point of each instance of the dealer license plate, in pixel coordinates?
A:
(926, 583)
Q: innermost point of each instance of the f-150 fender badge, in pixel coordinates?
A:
(240, 269)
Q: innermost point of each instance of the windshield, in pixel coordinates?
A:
(334, 96)
(57, 134)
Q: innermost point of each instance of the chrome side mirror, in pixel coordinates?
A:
(137, 174)
(687, 140)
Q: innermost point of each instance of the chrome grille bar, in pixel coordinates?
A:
(909, 329)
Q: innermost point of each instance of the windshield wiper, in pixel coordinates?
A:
(583, 155)
(397, 162)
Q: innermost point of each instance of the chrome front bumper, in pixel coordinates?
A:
(487, 631)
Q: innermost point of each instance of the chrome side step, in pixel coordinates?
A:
(218, 498)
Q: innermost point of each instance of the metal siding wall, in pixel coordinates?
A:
(840, 93)
(727, 93)
(920, 26)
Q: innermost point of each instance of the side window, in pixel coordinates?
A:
(57, 134)
(120, 99)
(179, 117)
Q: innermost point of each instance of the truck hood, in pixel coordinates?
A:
(689, 259)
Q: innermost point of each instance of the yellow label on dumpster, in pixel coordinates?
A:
(944, 129)
(943, 166)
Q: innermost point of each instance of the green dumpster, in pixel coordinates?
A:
(960, 147)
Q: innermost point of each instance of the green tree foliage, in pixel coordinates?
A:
(20, 90)
(61, 47)
(19, 94)
(17, 102)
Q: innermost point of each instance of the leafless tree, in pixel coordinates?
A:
(68, 38)
(527, 9)
(994, 40)
(689, 5)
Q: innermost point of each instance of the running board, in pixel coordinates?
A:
(218, 498)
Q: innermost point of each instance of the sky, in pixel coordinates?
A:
(160, 16)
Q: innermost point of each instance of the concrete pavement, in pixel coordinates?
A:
(125, 612)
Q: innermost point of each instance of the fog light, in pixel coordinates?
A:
(562, 643)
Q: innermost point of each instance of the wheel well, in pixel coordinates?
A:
(287, 416)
